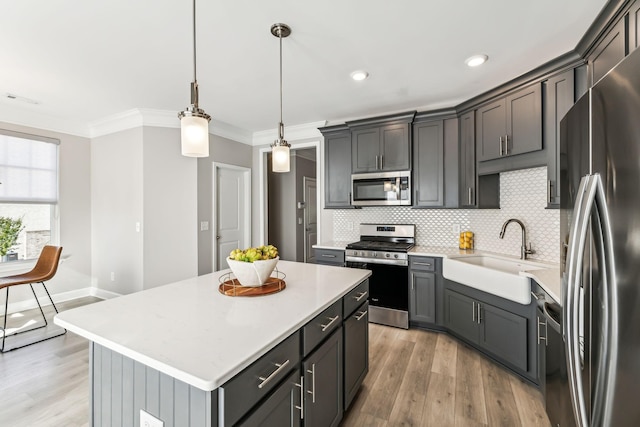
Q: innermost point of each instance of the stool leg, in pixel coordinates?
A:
(49, 295)
(38, 302)
(4, 328)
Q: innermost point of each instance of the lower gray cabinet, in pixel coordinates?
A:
(422, 297)
(497, 331)
(322, 372)
(281, 408)
(333, 257)
(356, 355)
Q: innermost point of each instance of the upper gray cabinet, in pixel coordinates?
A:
(610, 50)
(337, 166)
(467, 160)
(559, 96)
(634, 26)
(435, 162)
(511, 125)
(381, 144)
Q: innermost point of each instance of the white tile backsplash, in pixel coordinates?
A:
(522, 196)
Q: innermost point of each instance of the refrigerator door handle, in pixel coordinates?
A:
(571, 294)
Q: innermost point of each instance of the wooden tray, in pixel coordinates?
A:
(233, 288)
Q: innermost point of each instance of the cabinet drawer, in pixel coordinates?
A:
(355, 298)
(244, 390)
(329, 256)
(314, 332)
(422, 263)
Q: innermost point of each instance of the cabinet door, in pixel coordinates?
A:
(542, 348)
(428, 164)
(365, 150)
(524, 121)
(460, 315)
(337, 154)
(395, 148)
(281, 408)
(467, 160)
(491, 130)
(422, 297)
(559, 97)
(323, 403)
(356, 352)
(503, 334)
(610, 51)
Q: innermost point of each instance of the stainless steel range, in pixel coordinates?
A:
(383, 250)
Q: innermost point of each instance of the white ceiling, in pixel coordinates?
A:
(87, 60)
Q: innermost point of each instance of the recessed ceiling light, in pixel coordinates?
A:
(476, 60)
(359, 75)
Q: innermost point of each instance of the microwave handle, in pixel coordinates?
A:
(398, 188)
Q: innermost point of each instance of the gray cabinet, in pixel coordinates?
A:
(428, 164)
(333, 257)
(499, 332)
(323, 383)
(381, 144)
(422, 297)
(356, 356)
(337, 167)
(559, 93)
(511, 125)
(467, 160)
(281, 408)
(633, 36)
(609, 51)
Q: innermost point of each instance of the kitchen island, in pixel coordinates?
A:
(189, 355)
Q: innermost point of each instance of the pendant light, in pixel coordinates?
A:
(280, 148)
(194, 122)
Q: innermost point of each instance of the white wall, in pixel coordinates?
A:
(74, 206)
(170, 223)
(117, 205)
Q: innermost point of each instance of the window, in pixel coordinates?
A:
(28, 194)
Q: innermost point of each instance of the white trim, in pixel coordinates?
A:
(29, 304)
(292, 133)
(247, 211)
(263, 190)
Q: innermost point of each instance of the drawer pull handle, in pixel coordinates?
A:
(360, 296)
(265, 381)
(422, 263)
(328, 256)
(301, 407)
(362, 314)
(332, 319)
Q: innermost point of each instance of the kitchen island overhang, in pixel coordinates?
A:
(189, 331)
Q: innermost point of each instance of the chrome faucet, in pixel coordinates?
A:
(524, 251)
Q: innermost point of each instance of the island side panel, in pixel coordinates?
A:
(121, 387)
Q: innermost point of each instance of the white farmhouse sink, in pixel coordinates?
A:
(492, 274)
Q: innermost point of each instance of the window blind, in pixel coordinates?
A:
(28, 168)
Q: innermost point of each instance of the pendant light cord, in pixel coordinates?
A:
(194, 41)
(281, 124)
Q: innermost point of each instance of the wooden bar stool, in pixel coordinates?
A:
(44, 270)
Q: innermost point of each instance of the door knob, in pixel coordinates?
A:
(217, 237)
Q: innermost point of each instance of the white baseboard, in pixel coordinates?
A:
(29, 304)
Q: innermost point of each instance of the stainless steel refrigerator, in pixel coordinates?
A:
(600, 257)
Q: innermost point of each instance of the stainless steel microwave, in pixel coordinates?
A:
(381, 189)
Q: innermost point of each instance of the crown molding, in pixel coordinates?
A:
(292, 133)
(161, 118)
(29, 117)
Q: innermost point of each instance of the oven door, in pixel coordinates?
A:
(388, 293)
(381, 189)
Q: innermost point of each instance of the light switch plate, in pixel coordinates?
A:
(204, 225)
(148, 420)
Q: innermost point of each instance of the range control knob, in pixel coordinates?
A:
(396, 256)
(387, 255)
(375, 254)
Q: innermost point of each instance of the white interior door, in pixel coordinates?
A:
(232, 212)
(310, 218)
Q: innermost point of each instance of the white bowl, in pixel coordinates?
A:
(252, 273)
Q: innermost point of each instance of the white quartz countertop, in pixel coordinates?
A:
(333, 244)
(192, 332)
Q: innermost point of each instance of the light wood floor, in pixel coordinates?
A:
(416, 378)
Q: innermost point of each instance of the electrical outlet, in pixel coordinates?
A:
(204, 225)
(137, 227)
(349, 225)
(455, 228)
(113, 276)
(148, 420)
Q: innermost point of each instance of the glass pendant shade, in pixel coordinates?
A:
(280, 158)
(194, 132)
